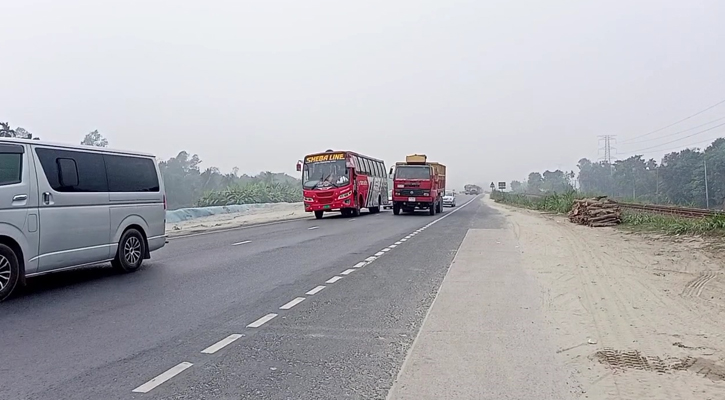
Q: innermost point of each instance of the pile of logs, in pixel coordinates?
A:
(596, 212)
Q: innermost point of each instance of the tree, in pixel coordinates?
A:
(517, 186)
(95, 139)
(535, 182)
(6, 131)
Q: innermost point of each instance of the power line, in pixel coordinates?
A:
(675, 133)
(675, 123)
(681, 148)
(677, 140)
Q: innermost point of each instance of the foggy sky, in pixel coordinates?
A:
(492, 89)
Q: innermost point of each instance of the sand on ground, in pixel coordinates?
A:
(634, 316)
(273, 213)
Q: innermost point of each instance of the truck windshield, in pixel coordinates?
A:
(325, 174)
(412, 172)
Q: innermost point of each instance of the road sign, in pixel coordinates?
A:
(493, 186)
(502, 186)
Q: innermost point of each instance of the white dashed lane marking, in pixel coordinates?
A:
(154, 383)
(262, 321)
(360, 264)
(385, 250)
(371, 259)
(221, 344)
(347, 271)
(378, 254)
(315, 290)
(244, 242)
(313, 227)
(333, 279)
(292, 303)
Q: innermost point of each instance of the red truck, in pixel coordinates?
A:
(418, 184)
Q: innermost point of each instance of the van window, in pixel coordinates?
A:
(10, 168)
(131, 174)
(90, 170)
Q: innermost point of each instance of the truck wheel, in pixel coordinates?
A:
(396, 209)
(318, 214)
(9, 271)
(432, 208)
(439, 207)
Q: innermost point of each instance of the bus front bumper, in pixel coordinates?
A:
(336, 205)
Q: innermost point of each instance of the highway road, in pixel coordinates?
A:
(305, 309)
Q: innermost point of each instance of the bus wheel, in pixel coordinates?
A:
(318, 214)
(396, 209)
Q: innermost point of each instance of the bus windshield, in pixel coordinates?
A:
(324, 174)
(412, 172)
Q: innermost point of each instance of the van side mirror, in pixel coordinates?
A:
(67, 172)
(391, 171)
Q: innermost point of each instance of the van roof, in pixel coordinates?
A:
(75, 147)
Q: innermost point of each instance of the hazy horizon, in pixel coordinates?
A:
(494, 90)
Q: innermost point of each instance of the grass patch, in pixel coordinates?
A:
(555, 202)
(674, 225)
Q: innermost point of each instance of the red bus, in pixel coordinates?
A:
(343, 181)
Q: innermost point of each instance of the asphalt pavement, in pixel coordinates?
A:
(203, 320)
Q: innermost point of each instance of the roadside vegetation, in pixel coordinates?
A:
(631, 220)
(553, 202)
(251, 193)
(673, 224)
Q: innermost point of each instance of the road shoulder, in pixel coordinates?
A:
(636, 317)
(484, 336)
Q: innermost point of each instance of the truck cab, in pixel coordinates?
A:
(418, 184)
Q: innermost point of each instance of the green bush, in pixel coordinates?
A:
(252, 193)
(675, 225)
(553, 202)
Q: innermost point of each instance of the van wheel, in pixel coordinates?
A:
(131, 249)
(9, 271)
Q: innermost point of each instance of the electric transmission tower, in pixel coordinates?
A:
(608, 141)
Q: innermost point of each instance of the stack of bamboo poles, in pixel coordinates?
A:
(596, 212)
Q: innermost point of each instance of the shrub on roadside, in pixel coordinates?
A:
(553, 202)
(675, 225)
(252, 193)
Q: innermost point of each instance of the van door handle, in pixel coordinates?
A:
(46, 198)
(20, 197)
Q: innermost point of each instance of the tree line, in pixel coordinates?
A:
(689, 177)
(187, 185)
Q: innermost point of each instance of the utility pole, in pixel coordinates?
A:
(707, 193)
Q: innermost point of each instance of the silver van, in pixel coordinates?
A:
(64, 206)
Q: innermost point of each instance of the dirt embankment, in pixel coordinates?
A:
(635, 317)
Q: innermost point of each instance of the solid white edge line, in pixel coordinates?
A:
(292, 303)
(347, 271)
(262, 321)
(315, 290)
(244, 242)
(333, 279)
(360, 264)
(170, 373)
(221, 344)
